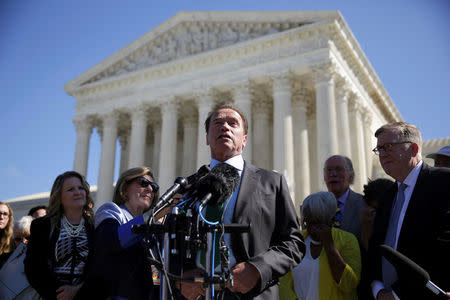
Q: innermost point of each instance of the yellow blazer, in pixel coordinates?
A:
(347, 245)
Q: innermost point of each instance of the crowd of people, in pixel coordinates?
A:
(330, 249)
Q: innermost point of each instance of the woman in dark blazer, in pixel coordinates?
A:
(120, 257)
(57, 256)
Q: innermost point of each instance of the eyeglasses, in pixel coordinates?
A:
(386, 147)
(144, 182)
(4, 214)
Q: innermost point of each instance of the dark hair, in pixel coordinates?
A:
(375, 189)
(35, 209)
(224, 105)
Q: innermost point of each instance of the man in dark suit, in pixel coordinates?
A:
(413, 217)
(338, 174)
(274, 244)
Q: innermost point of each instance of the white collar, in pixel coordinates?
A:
(235, 161)
(411, 179)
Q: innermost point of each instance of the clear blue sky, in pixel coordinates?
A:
(45, 44)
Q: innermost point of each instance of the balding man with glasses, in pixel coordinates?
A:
(413, 217)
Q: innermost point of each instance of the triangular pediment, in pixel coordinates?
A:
(190, 33)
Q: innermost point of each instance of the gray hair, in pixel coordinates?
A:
(320, 206)
(406, 132)
(23, 224)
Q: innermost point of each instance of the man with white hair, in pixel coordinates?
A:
(412, 218)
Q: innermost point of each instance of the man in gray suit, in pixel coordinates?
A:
(274, 244)
(338, 175)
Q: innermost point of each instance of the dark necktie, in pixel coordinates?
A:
(339, 216)
(389, 273)
(213, 213)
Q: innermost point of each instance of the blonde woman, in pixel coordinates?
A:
(120, 256)
(59, 245)
(6, 232)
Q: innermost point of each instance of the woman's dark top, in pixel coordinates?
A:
(47, 268)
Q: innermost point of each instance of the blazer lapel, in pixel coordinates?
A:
(244, 207)
(415, 206)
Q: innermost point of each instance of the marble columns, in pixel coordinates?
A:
(301, 146)
(107, 160)
(343, 127)
(138, 137)
(84, 129)
(168, 155)
(358, 156)
(283, 149)
(325, 116)
(189, 143)
(243, 101)
(204, 104)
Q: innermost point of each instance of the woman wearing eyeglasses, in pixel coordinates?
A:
(6, 232)
(120, 257)
(331, 267)
(60, 243)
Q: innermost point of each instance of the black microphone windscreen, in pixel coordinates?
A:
(403, 263)
(220, 182)
(202, 171)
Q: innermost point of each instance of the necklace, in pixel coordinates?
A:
(72, 230)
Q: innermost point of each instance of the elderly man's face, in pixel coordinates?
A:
(397, 158)
(442, 161)
(337, 177)
(226, 136)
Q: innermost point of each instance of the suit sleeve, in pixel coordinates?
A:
(36, 263)
(286, 242)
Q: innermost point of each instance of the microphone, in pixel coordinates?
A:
(218, 185)
(178, 186)
(401, 262)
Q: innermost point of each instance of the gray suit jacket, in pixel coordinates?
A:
(351, 222)
(274, 244)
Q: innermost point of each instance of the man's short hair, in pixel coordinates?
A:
(406, 132)
(224, 105)
(36, 208)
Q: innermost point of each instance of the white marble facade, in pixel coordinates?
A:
(302, 79)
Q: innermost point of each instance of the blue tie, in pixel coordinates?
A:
(389, 273)
(338, 218)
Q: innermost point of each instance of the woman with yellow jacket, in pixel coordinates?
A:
(331, 267)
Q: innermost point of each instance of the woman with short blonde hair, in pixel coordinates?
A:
(120, 255)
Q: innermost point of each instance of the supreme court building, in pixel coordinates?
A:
(302, 79)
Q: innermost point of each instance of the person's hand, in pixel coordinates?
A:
(385, 295)
(67, 292)
(448, 295)
(323, 233)
(176, 199)
(191, 290)
(245, 277)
